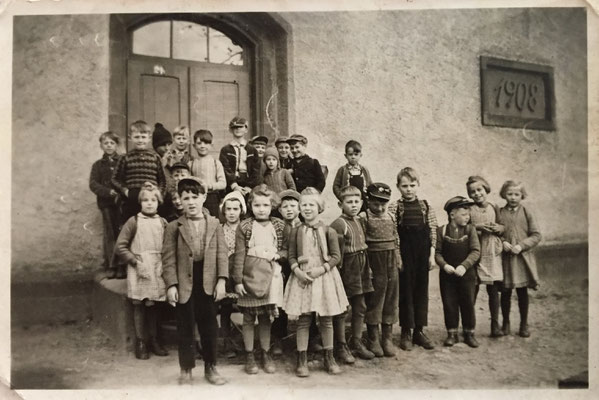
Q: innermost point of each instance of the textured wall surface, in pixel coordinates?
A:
(406, 84)
(60, 105)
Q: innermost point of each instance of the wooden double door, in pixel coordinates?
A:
(199, 95)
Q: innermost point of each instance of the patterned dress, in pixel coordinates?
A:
(490, 267)
(325, 295)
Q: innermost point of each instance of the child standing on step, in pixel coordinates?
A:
(521, 235)
(139, 245)
(315, 285)
(259, 245)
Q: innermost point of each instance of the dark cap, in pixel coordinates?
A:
(180, 165)
(457, 202)
(379, 191)
(160, 136)
(259, 140)
(193, 179)
(281, 140)
(297, 138)
(289, 193)
(238, 122)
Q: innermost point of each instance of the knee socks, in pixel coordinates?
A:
(152, 321)
(264, 331)
(506, 298)
(138, 320)
(248, 332)
(326, 332)
(303, 332)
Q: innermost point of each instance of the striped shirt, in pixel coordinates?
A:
(352, 232)
(137, 167)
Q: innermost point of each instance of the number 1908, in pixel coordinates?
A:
(521, 95)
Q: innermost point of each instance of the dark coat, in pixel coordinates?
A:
(228, 157)
(307, 172)
(100, 180)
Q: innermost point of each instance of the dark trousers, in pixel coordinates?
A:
(201, 310)
(131, 204)
(413, 280)
(212, 203)
(382, 303)
(110, 222)
(458, 295)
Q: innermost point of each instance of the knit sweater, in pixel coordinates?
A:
(137, 167)
(279, 180)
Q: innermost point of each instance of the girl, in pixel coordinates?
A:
(315, 284)
(259, 244)
(140, 245)
(484, 216)
(275, 177)
(519, 264)
(233, 209)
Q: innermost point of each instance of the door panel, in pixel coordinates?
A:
(160, 96)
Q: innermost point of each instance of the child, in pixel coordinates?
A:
(233, 209)
(384, 260)
(161, 139)
(485, 218)
(457, 252)
(240, 160)
(106, 197)
(259, 244)
(259, 143)
(315, 284)
(355, 273)
(209, 170)
(284, 153)
(172, 209)
(416, 226)
(352, 173)
(289, 210)
(276, 178)
(179, 151)
(307, 171)
(139, 245)
(138, 166)
(519, 263)
(195, 273)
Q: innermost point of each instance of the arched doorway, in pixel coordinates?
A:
(200, 70)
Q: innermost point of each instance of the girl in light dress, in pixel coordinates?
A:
(315, 284)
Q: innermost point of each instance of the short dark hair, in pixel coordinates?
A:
(203, 135)
(480, 179)
(409, 173)
(354, 145)
(110, 135)
(191, 187)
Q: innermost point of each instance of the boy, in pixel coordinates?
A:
(209, 170)
(355, 274)
(179, 151)
(306, 170)
(458, 250)
(259, 143)
(289, 210)
(171, 208)
(138, 166)
(384, 260)
(416, 225)
(284, 152)
(240, 159)
(195, 271)
(352, 173)
(106, 197)
(161, 139)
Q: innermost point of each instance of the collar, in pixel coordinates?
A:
(513, 208)
(356, 167)
(347, 217)
(113, 157)
(300, 158)
(409, 201)
(241, 143)
(314, 225)
(145, 216)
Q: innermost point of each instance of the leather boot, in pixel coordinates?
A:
(452, 338)
(374, 341)
(505, 328)
(470, 340)
(251, 367)
(524, 332)
(267, 363)
(358, 349)
(495, 331)
(277, 348)
(421, 339)
(330, 365)
(157, 348)
(387, 341)
(302, 364)
(343, 353)
(212, 375)
(141, 351)
(405, 341)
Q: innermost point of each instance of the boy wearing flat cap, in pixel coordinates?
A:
(259, 143)
(284, 150)
(240, 159)
(385, 262)
(457, 252)
(307, 171)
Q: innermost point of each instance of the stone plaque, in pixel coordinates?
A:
(516, 94)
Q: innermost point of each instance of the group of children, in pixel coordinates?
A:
(203, 233)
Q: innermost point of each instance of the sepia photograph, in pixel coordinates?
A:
(229, 198)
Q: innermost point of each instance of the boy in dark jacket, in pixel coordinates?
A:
(307, 171)
(106, 197)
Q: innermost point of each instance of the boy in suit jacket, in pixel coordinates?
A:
(195, 270)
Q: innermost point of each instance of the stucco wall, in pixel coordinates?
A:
(406, 84)
(60, 105)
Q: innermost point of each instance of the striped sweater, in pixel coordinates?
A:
(137, 167)
(351, 234)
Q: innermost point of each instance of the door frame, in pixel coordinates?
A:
(265, 36)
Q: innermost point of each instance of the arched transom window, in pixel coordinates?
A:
(184, 40)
